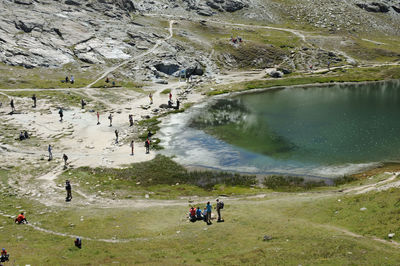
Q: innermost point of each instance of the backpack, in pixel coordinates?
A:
(221, 204)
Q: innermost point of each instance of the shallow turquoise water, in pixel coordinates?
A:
(322, 131)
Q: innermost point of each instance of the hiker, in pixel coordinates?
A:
(132, 147)
(192, 214)
(177, 104)
(170, 96)
(78, 242)
(72, 79)
(329, 65)
(116, 136)
(199, 214)
(4, 256)
(205, 214)
(151, 98)
(147, 145)
(34, 100)
(209, 208)
(50, 152)
(98, 118)
(65, 158)
(26, 135)
(107, 80)
(21, 136)
(66, 79)
(21, 219)
(169, 104)
(130, 120)
(239, 39)
(61, 113)
(110, 118)
(68, 188)
(311, 68)
(83, 103)
(113, 83)
(219, 207)
(12, 105)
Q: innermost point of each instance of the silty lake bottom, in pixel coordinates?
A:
(323, 131)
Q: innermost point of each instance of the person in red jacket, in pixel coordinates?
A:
(192, 214)
(21, 219)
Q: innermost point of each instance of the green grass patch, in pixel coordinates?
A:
(166, 91)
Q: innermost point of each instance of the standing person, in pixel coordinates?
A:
(110, 118)
(116, 136)
(12, 105)
(98, 118)
(209, 208)
(65, 158)
(83, 103)
(68, 188)
(61, 113)
(219, 207)
(329, 65)
(50, 149)
(34, 100)
(151, 98)
(107, 80)
(147, 145)
(66, 79)
(132, 147)
(130, 120)
(170, 96)
(72, 79)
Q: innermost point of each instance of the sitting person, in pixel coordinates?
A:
(205, 215)
(192, 215)
(78, 242)
(26, 135)
(21, 136)
(4, 255)
(21, 219)
(199, 214)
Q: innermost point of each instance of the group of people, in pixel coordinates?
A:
(69, 79)
(23, 135)
(236, 40)
(197, 214)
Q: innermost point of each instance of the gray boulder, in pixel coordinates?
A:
(375, 7)
(276, 74)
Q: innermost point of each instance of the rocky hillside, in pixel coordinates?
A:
(58, 33)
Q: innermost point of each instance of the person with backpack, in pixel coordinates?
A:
(219, 207)
(12, 105)
(34, 100)
(78, 242)
(65, 158)
(61, 113)
(83, 103)
(68, 188)
(147, 145)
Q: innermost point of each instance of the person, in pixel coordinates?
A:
(98, 118)
(21, 136)
(182, 75)
(132, 147)
(199, 214)
(151, 98)
(26, 135)
(50, 152)
(177, 104)
(68, 188)
(66, 79)
(219, 207)
(78, 242)
(72, 79)
(107, 80)
(329, 65)
(21, 219)
(4, 256)
(61, 113)
(311, 68)
(34, 100)
(192, 214)
(83, 104)
(130, 120)
(12, 105)
(65, 158)
(205, 214)
(113, 83)
(209, 208)
(169, 104)
(170, 96)
(110, 118)
(147, 145)
(116, 136)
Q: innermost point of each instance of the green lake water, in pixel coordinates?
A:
(321, 131)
